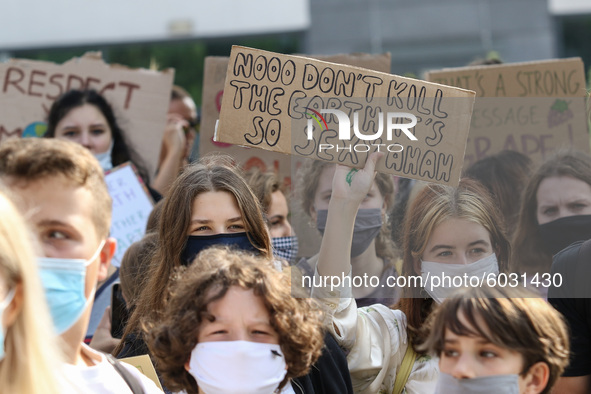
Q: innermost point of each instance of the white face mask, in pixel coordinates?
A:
(237, 367)
(432, 274)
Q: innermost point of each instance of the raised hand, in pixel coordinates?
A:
(353, 184)
(349, 188)
(174, 139)
(172, 153)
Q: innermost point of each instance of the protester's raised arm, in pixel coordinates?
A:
(349, 187)
(171, 160)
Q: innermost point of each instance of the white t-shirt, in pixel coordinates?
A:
(103, 378)
(288, 389)
(375, 340)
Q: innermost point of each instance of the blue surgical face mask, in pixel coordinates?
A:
(197, 243)
(3, 304)
(285, 248)
(105, 158)
(64, 282)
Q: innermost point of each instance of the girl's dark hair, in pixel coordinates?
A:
(122, 151)
(505, 175)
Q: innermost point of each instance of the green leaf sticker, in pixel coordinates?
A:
(349, 176)
(559, 106)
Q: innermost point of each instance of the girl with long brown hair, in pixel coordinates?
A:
(208, 204)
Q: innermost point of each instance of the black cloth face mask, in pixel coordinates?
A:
(197, 243)
(560, 233)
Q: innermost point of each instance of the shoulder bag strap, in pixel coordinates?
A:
(405, 368)
(132, 382)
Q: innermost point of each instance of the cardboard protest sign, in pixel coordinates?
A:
(132, 205)
(533, 108)
(145, 366)
(214, 78)
(270, 101)
(139, 98)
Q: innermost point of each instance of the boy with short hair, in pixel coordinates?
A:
(497, 340)
(60, 189)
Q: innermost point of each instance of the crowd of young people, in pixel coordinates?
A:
(214, 290)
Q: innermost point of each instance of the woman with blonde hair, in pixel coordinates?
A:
(30, 360)
(449, 210)
(449, 231)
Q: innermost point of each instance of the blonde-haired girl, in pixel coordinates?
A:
(30, 362)
(448, 231)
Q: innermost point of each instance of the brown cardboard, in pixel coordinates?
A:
(214, 78)
(380, 62)
(145, 366)
(533, 108)
(442, 131)
(139, 97)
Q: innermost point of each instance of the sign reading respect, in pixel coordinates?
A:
(139, 98)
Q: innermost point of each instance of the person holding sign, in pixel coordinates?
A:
(372, 252)
(59, 187)
(28, 352)
(232, 325)
(555, 212)
(449, 231)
